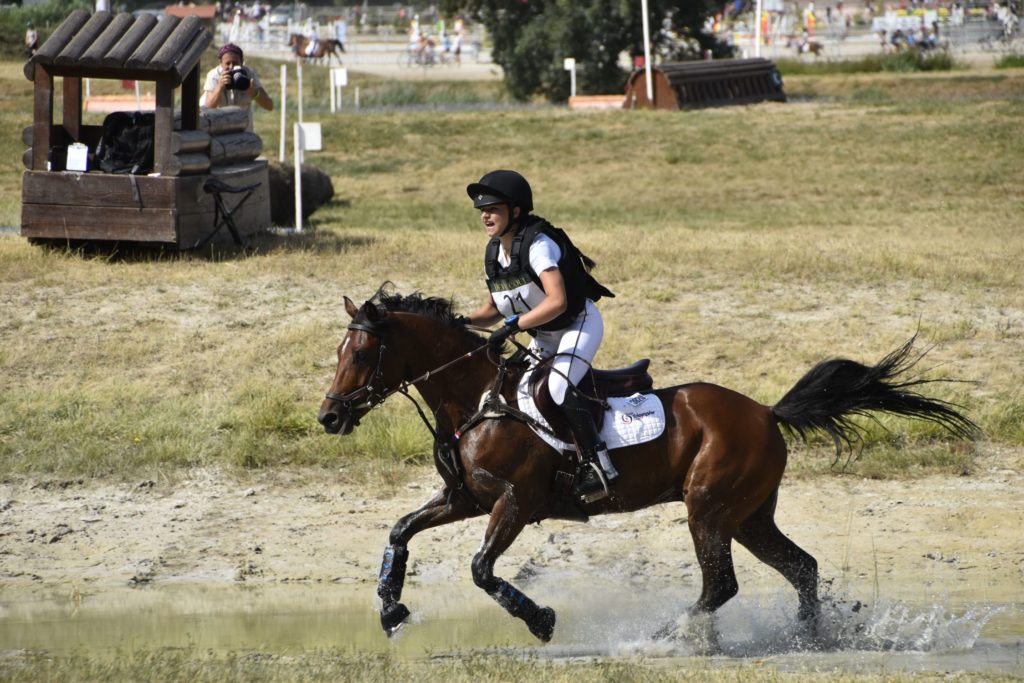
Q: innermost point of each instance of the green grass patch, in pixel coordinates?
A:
(1014, 60)
(329, 666)
(901, 62)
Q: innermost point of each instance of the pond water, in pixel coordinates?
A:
(944, 634)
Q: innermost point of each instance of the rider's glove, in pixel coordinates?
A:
(498, 337)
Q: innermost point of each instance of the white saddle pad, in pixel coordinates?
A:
(630, 420)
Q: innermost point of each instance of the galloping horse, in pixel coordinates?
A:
(324, 48)
(722, 453)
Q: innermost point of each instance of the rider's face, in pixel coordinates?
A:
(495, 219)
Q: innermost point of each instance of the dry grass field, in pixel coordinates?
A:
(744, 245)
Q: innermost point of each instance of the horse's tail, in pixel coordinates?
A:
(834, 391)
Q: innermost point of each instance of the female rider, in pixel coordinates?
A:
(540, 284)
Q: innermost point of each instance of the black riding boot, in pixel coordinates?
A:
(592, 482)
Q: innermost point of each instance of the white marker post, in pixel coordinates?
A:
(339, 79)
(308, 136)
(757, 29)
(570, 65)
(647, 53)
(297, 132)
(284, 108)
(298, 71)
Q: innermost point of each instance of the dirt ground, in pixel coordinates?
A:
(959, 536)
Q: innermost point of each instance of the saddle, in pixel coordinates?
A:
(598, 384)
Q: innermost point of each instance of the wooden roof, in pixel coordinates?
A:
(106, 45)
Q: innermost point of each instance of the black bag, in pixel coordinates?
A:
(127, 143)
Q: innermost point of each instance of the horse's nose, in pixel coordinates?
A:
(329, 419)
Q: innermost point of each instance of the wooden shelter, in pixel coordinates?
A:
(176, 204)
(695, 85)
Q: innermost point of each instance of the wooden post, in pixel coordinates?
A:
(190, 100)
(42, 118)
(73, 107)
(164, 123)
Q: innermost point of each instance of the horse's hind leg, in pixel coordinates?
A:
(392, 572)
(714, 555)
(505, 525)
(759, 534)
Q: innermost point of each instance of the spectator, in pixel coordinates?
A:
(31, 39)
(226, 83)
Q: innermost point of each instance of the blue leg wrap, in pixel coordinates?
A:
(513, 600)
(392, 573)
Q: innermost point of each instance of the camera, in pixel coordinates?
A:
(240, 79)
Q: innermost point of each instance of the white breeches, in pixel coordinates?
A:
(574, 349)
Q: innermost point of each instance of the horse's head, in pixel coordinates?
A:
(366, 370)
(392, 343)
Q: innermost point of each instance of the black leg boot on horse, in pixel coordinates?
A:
(596, 472)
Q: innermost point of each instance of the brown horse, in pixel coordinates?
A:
(722, 453)
(325, 48)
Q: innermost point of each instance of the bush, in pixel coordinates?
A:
(46, 18)
(1014, 60)
(905, 61)
(918, 60)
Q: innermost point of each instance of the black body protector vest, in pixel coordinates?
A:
(516, 289)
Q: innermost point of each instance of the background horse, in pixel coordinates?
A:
(722, 453)
(328, 47)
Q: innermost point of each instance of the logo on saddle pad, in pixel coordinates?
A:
(630, 420)
(626, 418)
(637, 400)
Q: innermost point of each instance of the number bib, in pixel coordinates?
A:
(515, 295)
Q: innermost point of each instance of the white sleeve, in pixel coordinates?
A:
(544, 254)
(211, 80)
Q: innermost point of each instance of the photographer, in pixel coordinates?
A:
(231, 84)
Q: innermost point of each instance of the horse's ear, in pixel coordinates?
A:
(350, 308)
(370, 311)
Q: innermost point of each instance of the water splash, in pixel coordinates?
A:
(766, 625)
(894, 626)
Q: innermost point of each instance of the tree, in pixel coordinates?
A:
(531, 38)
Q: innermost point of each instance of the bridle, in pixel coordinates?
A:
(374, 397)
(373, 393)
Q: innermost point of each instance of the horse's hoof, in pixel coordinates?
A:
(542, 624)
(392, 618)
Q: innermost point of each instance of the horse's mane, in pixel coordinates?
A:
(431, 307)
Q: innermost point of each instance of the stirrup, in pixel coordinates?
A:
(589, 490)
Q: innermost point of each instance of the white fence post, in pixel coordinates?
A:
(298, 70)
(297, 132)
(284, 108)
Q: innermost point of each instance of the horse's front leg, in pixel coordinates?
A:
(507, 520)
(392, 572)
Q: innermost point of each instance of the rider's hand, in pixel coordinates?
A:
(498, 337)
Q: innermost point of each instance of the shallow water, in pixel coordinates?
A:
(932, 634)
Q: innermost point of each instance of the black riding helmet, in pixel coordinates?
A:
(502, 187)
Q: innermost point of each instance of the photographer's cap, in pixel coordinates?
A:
(230, 47)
